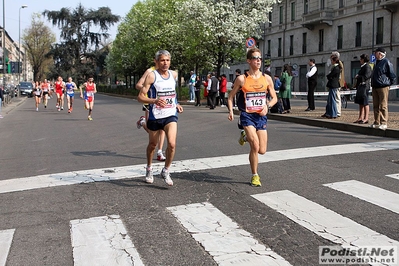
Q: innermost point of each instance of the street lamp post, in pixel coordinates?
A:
(3, 46)
(19, 43)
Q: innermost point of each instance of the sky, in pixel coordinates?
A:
(12, 9)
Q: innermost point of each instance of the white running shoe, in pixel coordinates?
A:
(161, 157)
(140, 122)
(149, 178)
(166, 177)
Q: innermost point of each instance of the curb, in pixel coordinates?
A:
(365, 130)
(360, 129)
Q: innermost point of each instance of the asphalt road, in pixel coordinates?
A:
(40, 217)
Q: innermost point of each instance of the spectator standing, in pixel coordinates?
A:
(191, 84)
(237, 73)
(223, 90)
(333, 86)
(312, 83)
(342, 82)
(198, 83)
(362, 88)
(286, 78)
(383, 76)
(1, 99)
(206, 92)
(213, 88)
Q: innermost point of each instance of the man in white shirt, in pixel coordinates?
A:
(312, 82)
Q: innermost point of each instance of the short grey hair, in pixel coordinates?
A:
(335, 53)
(161, 52)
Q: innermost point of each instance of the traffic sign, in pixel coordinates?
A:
(372, 58)
(250, 43)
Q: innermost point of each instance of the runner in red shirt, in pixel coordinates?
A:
(88, 95)
(59, 90)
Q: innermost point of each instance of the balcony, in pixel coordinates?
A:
(390, 5)
(324, 16)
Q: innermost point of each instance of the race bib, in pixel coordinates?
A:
(255, 101)
(170, 108)
(89, 94)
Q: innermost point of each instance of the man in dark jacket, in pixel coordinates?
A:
(213, 89)
(383, 76)
(1, 99)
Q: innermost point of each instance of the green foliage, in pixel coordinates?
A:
(199, 34)
(82, 30)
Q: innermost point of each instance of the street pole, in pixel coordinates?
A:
(3, 45)
(19, 43)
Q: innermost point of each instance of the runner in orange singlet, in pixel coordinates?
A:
(254, 106)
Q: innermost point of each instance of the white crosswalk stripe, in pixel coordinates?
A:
(322, 221)
(5, 244)
(222, 238)
(138, 171)
(102, 241)
(378, 196)
(105, 241)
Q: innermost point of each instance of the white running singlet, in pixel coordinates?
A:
(163, 88)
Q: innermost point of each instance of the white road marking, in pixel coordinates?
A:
(375, 195)
(322, 221)
(6, 237)
(395, 176)
(135, 171)
(102, 241)
(222, 238)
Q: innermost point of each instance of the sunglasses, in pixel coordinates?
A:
(256, 58)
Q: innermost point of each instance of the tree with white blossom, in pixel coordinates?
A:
(201, 34)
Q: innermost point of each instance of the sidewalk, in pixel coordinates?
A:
(16, 101)
(344, 123)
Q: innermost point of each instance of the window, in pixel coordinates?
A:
(279, 47)
(321, 40)
(291, 44)
(304, 42)
(358, 38)
(281, 15)
(268, 46)
(305, 6)
(322, 4)
(359, 1)
(380, 31)
(292, 11)
(270, 19)
(341, 4)
(340, 37)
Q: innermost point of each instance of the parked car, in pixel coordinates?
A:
(25, 88)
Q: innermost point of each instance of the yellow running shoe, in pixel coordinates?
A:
(241, 140)
(255, 181)
(89, 118)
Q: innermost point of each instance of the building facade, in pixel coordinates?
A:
(304, 29)
(12, 55)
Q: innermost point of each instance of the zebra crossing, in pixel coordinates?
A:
(105, 241)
